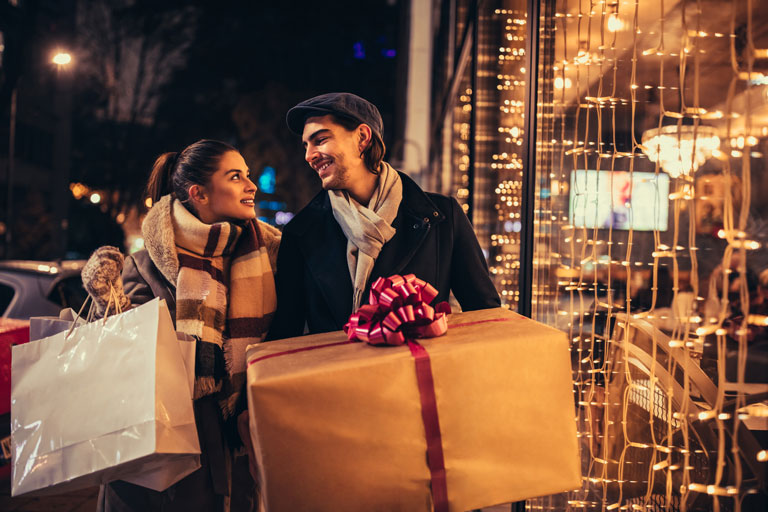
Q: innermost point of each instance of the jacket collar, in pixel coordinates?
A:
(418, 203)
(323, 244)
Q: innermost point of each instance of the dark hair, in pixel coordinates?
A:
(374, 153)
(174, 173)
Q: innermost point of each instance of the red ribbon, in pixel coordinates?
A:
(429, 417)
(399, 312)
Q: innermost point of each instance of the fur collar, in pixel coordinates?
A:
(160, 241)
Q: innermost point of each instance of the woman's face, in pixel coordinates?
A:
(230, 193)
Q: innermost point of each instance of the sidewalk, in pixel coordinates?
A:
(78, 501)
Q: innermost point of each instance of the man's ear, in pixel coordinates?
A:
(364, 136)
(198, 194)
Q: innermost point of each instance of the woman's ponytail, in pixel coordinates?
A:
(161, 179)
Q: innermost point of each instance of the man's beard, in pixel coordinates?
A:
(339, 180)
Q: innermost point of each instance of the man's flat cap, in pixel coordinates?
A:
(342, 104)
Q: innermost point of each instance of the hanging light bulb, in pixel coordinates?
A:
(614, 23)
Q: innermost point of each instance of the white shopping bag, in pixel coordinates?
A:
(109, 400)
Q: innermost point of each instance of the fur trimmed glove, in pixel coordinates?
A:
(102, 272)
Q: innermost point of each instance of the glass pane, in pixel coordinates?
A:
(650, 245)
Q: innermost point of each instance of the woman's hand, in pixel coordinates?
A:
(244, 429)
(101, 275)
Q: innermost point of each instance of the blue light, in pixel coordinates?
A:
(389, 53)
(272, 205)
(358, 50)
(545, 193)
(267, 180)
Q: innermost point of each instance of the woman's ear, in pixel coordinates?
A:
(198, 194)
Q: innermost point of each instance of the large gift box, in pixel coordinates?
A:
(338, 425)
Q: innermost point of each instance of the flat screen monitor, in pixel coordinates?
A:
(605, 199)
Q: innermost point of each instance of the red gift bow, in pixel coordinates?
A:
(398, 311)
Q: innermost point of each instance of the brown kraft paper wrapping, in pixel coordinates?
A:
(339, 427)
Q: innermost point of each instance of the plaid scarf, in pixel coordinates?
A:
(225, 296)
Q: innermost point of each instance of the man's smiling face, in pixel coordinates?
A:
(332, 151)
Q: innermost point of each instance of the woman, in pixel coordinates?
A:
(211, 260)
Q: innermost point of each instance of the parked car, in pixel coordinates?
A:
(40, 288)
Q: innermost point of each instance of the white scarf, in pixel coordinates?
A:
(367, 228)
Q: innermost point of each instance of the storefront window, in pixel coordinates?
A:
(650, 241)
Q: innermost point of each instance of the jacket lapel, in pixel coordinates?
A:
(325, 250)
(414, 220)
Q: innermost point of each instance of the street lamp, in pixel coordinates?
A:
(62, 58)
(62, 148)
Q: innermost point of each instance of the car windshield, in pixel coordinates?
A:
(6, 296)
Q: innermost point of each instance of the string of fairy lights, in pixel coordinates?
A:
(506, 164)
(461, 120)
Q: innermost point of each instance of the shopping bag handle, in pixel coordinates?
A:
(114, 298)
(77, 317)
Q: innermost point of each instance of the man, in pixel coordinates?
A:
(369, 221)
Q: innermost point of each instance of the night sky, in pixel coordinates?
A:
(153, 76)
(301, 48)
